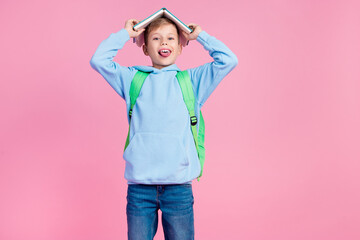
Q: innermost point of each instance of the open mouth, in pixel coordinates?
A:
(164, 52)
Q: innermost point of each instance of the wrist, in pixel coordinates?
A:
(128, 31)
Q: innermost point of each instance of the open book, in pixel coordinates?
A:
(163, 12)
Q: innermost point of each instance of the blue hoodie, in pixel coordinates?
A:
(161, 148)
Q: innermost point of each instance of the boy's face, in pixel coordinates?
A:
(163, 46)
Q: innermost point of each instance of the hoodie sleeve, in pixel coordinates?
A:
(207, 77)
(117, 76)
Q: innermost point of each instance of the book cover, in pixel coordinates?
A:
(163, 12)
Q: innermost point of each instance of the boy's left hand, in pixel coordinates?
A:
(195, 33)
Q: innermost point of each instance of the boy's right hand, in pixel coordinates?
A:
(129, 24)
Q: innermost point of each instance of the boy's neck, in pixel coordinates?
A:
(161, 67)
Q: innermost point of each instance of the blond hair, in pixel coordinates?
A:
(156, 24)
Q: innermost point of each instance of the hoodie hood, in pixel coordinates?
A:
(151, 69)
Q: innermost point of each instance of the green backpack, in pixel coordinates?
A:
(188, 95)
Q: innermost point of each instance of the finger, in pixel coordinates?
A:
(139, 32)
(133, 21)
(185, 34)
(192, 27)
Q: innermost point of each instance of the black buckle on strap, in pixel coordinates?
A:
(193, 120)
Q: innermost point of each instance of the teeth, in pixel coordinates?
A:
(165, 51)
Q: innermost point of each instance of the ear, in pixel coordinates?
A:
(180, 48)
(145, 50)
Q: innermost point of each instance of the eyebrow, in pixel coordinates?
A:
(159, 34)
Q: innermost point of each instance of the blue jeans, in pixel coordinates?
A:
(174, 201)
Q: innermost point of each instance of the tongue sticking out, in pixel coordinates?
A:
(164, 53)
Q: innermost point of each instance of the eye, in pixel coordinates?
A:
(171, 38)
(155, 38)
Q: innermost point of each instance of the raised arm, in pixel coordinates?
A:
(207, 77)
(119, 77)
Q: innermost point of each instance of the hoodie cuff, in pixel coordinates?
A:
(203, 37)
(123, 35)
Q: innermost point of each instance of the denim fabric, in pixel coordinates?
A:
(174, 201)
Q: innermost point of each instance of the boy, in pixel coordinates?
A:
(161, 158)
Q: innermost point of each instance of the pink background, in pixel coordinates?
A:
(282, 129)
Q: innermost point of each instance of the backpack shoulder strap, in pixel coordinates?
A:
(135, 87)
(189, 98)
(188, 94)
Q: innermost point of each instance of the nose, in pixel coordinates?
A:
(163, 43)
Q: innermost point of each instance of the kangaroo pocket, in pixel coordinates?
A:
(152, 158)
